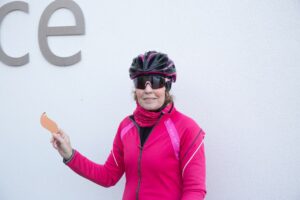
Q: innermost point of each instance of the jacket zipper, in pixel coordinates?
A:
(139, 173)
(140, 156)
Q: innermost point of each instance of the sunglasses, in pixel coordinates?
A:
(156, 82)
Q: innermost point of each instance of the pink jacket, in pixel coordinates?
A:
(170, 165)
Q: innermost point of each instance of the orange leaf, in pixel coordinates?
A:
(48, 124)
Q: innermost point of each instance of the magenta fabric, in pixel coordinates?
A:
(153, 172)
(146, 118)
(174, 136)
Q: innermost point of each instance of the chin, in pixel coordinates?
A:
(150, 107)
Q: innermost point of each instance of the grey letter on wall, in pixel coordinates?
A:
(45, 31)
(4, 10)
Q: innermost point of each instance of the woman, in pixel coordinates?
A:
(160, 150)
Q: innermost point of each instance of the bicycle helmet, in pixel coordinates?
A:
(153, 62)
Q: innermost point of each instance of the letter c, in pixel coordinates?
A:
(4, 10)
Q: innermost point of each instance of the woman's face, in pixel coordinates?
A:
(151, 99)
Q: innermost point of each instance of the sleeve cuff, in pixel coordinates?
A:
(66, 161)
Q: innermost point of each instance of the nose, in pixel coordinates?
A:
(148, 87)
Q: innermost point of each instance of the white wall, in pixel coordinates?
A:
(238, 77)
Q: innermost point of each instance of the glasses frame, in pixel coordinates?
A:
(155, 81)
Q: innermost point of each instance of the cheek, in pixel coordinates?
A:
(163, 98)
(138, 94)
(161, 95)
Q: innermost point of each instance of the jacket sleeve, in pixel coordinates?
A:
(105, 175)
(193, 170)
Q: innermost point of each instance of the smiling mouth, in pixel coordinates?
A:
(148, 99)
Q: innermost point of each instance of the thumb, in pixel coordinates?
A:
(58, 137)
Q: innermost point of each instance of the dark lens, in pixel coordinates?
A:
(140, 82)
(155, 81)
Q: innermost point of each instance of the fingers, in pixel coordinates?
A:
(61, 142)
(54, 143)
(67, 138)
(64, 135)
(58, 137)
(57, 140)
(61, 132)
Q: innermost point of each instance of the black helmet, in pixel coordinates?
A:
(153, 62)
